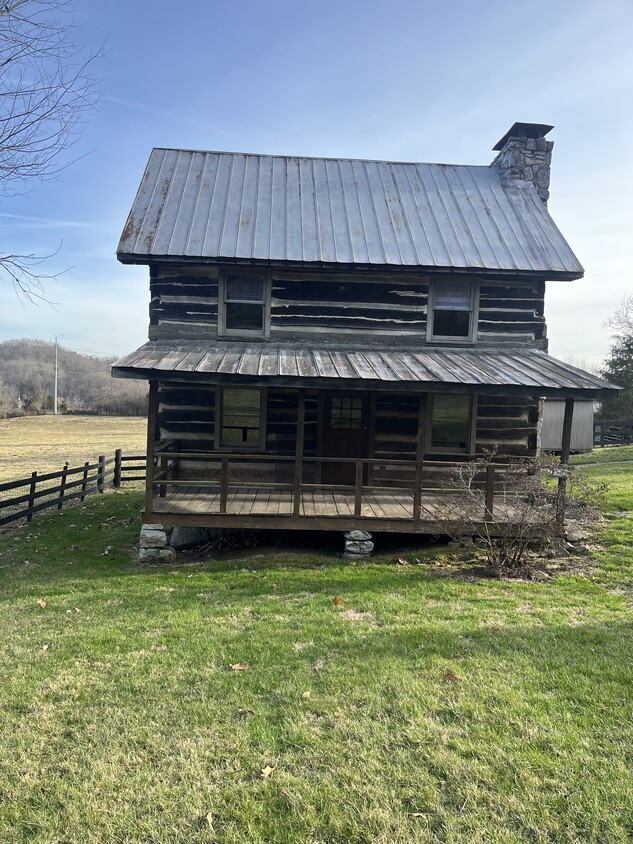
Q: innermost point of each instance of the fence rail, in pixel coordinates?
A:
(612, 432)
(38, 492)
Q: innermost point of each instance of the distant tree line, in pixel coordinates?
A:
(84, 383)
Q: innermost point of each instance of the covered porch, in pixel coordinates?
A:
(275, 436)
(225, 497)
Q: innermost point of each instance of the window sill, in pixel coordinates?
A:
(451, 341)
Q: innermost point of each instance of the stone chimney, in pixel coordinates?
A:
(525, 156)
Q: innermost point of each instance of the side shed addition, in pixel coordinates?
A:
(581, 429)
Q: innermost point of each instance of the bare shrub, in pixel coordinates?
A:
(523, 514)
(524, 521)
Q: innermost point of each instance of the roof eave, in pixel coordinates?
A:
(147, 259)
(150, 374)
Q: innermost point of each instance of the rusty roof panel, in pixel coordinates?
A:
(528, 371)
(216, 206)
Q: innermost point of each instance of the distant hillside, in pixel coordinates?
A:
(27, 375)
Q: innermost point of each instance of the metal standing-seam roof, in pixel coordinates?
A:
(528, 371)
(215, 206)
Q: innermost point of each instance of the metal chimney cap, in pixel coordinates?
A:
(524, 130)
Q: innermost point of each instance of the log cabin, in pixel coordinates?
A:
(328, 338)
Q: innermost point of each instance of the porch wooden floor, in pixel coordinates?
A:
(198, 505)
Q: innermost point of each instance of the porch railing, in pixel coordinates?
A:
(225, 472)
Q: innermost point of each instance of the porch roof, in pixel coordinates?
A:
(433, 369)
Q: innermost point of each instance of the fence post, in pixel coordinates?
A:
(31, 501)
(62, 487)
(417, 491)
(162, 489)
(84, 481)
(561, 495)
(224, 484)
(100, 473)
(298, 473)
(358, 488)
(116, 480)
(490, 493)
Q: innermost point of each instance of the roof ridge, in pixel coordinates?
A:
(319, 157)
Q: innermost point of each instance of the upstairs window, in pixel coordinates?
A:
(452, 311)
(244, 305)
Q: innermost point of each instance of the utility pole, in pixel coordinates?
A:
(55, 391)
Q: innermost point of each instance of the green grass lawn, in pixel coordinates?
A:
(604, 455)
(425, 706)
(45, 443)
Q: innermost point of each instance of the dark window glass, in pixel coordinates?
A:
(346, 413)
(450, 428)
(451, 323)
(242, 317)
(452, 309)
(241, 418)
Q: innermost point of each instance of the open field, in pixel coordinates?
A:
(45, 443)
(424, 704)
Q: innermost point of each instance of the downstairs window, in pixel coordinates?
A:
(451, 423)
(241, 419)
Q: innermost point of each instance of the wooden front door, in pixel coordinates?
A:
(345, 434)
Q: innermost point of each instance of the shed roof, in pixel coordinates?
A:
(221, 206)
(529, 371)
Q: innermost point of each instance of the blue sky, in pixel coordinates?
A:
(412, 81)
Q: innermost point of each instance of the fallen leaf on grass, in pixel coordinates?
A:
(41, 602)
(239, 666)
(77, 609)
(306, 695)
(44, 647)
(266, 772)
(209, 820)
(452, 678)
(337, 600)
(402, 562)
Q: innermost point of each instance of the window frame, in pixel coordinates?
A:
(431, 336)
(265, 277)
(472, 426)
(219, 419)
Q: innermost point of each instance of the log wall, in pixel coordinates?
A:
(187, 414)
(363, 307)
(508, 424)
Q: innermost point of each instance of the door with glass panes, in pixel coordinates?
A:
(345, 433)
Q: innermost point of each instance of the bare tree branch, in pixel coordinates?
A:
(27, 280)
(47, 85)
(621, 321)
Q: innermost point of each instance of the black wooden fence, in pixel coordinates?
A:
(612, 432)
(54, 489)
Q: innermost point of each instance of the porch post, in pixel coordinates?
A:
(561, 497)
(419, 459)
(301, 418)
(152, 416)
